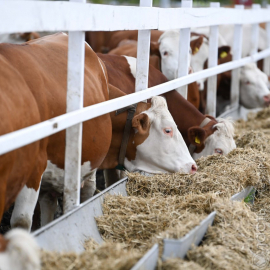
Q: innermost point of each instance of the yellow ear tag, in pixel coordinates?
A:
(196, 50)
(197, 140)
(223, 54)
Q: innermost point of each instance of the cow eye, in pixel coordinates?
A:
(247, 82)
(218, 151)
(168, 131)
(165, 53)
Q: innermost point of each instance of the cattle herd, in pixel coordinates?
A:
(166, 135)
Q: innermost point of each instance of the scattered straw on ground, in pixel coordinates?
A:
(109, 256)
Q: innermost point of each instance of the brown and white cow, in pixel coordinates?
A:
(215, 137)
(155, 145)
(129, 48)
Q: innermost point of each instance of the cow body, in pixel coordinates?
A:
(38, 69)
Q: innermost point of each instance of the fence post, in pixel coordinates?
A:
(237, 54)
(266, 62)
(143, 52)
(184, 47)
(212, 62)
(255, 33)
(75, 89)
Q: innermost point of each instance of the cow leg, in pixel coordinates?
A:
(26, 200)
(89, 186)
(48, 206)
(24, 208)
(112, 176)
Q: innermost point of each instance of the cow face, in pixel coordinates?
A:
(169, 51)
(254, 92)
(160, 147)
(213, 139)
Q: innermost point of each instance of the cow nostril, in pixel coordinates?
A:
(266, 100)
(193, 169)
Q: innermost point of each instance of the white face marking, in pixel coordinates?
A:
(22, 251)
(132, 64)
(164, 150)
(24, 208)
(220, 142)
(254, 92)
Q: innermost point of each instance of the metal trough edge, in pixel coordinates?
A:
(69, 232)
(149, 260)
(178, 248)
(248, 192)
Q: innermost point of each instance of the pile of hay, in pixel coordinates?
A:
(223, 175)
(257, 140)
(135, 220)
(108, 256)
(179, 264)
(234, 230)
(255, 121)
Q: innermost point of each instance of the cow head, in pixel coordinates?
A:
(254, 92)
(21, 251)
(159, 145)
(214, 138)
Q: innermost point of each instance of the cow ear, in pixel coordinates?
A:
(141, 123)
(196, 135)
(196, 44)
(210, 117)
(154, 48)
(223, 51)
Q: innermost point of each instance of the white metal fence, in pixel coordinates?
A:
(76, 16)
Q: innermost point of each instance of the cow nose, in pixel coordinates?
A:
(266, 100)
(193, 169)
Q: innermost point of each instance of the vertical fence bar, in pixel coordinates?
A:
(255, 33)
(75, 89)
(212, 62)
(143, 48)
(266, 62)
(237, 53)
(183, 57)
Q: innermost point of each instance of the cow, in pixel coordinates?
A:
(219, 131)
(129, 48)
(19, 251)
(154, 145)
(254, 92)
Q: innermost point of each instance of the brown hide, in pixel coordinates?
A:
(118, 36)
(130, 49)
(118, 124)
(98, 40)
(33, 87)
(183, 112)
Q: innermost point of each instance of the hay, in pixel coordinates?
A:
(135, 221)
(255, 140)
(179, 264)
(255, 121)
(223, 175)
(111, 256)
(218, 257)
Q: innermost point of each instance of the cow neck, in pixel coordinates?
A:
(184, 114)
(128, 126)
(192, 147)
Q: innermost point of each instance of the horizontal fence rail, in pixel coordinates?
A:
(70, 16)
